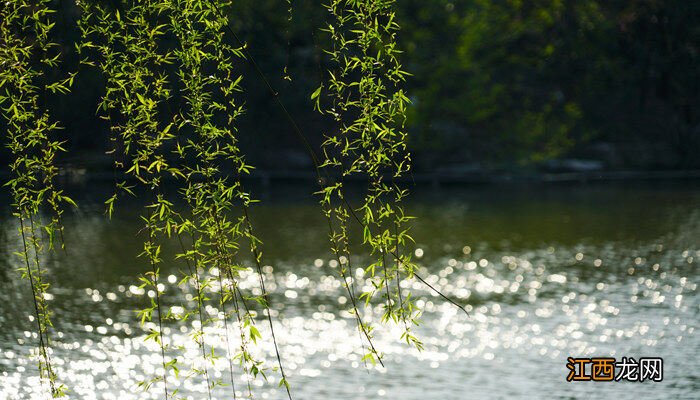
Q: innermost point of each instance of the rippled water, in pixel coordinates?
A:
(545, 272)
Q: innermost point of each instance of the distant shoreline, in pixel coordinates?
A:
(77, 176)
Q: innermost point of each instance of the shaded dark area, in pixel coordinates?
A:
(496, 86)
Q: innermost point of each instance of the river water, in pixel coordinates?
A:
(546, 273)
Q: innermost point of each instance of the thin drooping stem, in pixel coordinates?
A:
(194, 273)
(40, 278)
(386, 280)
(244, 351)
(449, 300)
(225, 265)
(39, 315)
(152, 258)
(229, 354)
(257, 256)
(398, 278)
(360, 324)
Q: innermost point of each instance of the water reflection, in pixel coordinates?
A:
(545, 277)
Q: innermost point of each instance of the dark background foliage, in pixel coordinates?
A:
(496, 85)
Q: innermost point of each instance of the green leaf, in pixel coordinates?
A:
(316, 93)
(254, 334)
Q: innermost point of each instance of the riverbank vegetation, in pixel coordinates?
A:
(494, 85)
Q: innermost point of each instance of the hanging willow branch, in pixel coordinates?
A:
(26, 52)
(369, 107)
(210, 91)
(145, 75)
(137, 88)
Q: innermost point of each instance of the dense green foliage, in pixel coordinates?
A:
(525, 81)
(494, 82)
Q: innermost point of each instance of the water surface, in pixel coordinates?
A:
(545, 272)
